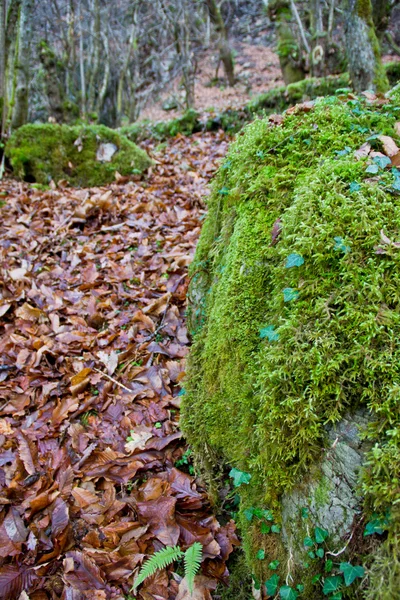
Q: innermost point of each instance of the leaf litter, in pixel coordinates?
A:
(93, 344)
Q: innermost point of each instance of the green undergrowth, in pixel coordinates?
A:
(295, 310)
(42, 152)
(232, 120)
(275, 100)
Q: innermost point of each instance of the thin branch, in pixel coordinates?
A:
(300, 25)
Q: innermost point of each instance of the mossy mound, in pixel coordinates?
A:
(187, 124)
(295, 314)
(42, 152)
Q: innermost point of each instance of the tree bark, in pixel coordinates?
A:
(288, 49)
(22, 74)
(225, 52)
(96, 57)
(362, 48)
(2, 56)
(53, 85)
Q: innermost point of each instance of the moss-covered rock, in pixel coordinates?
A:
(295, 315)
(41, 152)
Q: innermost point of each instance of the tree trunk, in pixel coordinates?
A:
(96, 57)
(318, 51)
(20, 110)
(82, 63)
(288, 49)
(53, 85)
(2, 56)
(362, 48)
(381, 10)
(225, 52)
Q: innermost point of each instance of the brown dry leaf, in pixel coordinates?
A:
(201, 589)
(158, 306)
(100, 294)
(29, 313)
(80, 381)
(109, 360)
(363, 151)
(389, 145)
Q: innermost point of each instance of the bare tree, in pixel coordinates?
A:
(362, 47)
(225, 51)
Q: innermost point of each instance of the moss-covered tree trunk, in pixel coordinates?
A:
(288, 49)
(2, 55)
(20, 109)
(362, 47)
(225, 51)
(54, 88)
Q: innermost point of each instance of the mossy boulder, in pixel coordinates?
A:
(84, 155)
(294, 374)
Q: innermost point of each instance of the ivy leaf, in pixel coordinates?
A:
(376, 526)
(265, 528)
(308, 542)
(396, 185)
(276, 528)
(316, 578)
(271, 584)
(273, 565)
(311, 554)
(261, 554)
(355, 187)
(328, 566)
(304, 513)
(373, 169)
(290, 294)
(287, 593)
(382, 161)
(351, 573)
(300, 587)
(264, 514)
(249, 513)
(332, 584)
(239, 477)
(224, 191)
(257, 584)
(294, 260)
(270, 333)
(337, 596)
(344, 152)
(320, 535)
(227, 165)
(320, 552)
(340, 245)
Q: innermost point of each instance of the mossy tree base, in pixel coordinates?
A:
(295, 320)
(44, 152)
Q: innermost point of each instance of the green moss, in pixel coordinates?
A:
(187, 124)
(262, 405)
(393, 72)
(39, 153)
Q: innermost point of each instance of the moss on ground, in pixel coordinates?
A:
(41, 152)
(281, 352)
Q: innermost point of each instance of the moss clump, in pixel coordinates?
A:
(281, 352)
(39, 153)
(187, 124)
(393, 72)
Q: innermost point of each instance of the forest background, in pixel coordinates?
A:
(115, 62)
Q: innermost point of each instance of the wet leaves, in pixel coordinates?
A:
(93, 344)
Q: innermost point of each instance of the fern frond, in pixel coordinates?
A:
(159, 560)
(192, 560)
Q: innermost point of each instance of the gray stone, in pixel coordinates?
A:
(329, 490)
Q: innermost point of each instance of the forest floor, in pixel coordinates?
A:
(257, 71)
(94, 474)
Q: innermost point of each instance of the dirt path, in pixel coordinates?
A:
(93, 344)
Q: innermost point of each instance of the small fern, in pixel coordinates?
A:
(192, 560)
(159, 560)
(163, 558)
